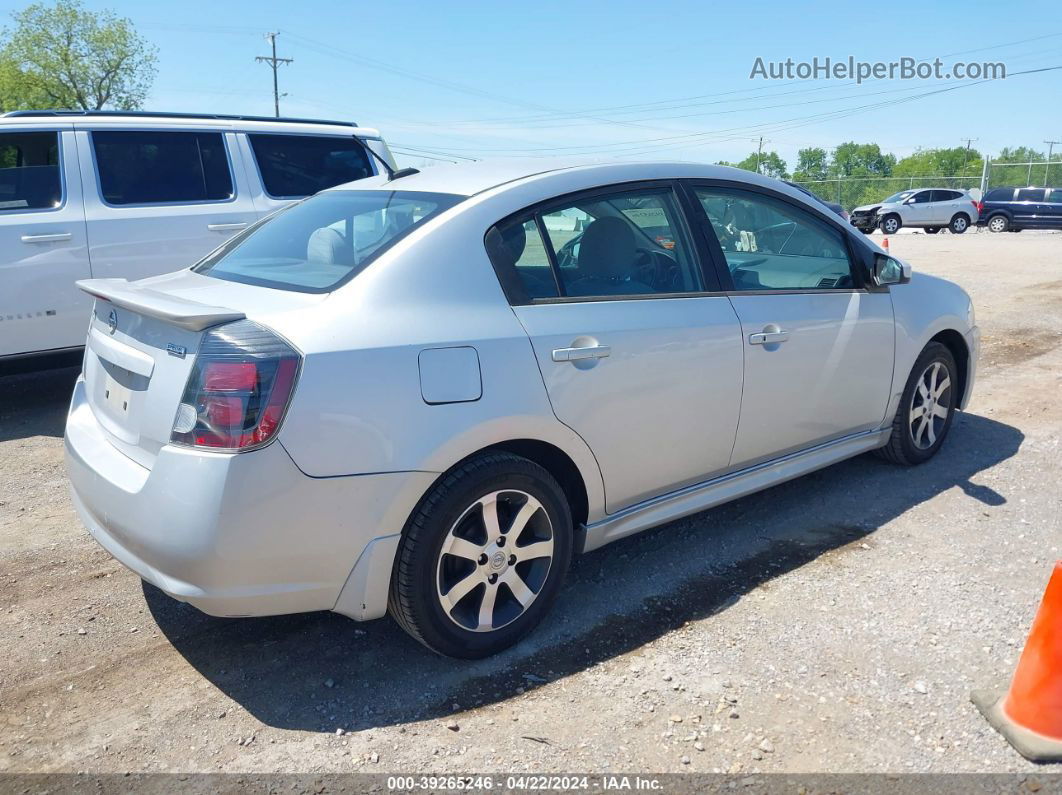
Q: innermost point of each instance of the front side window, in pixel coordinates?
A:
(295, 166)
(898, 197)
(1055, 196)
(29, 171)
(924, 197)
(150, 167)
(318, 244)
(1031, 195)
(771, 245)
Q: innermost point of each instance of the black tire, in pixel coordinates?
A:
(415, 599)
(902, 447)
(890, 224)
(959, 224)
(932, 230)
(998, 223)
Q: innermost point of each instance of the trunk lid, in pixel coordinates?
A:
(142, 342)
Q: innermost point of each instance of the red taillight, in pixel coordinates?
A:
(979, 205)
(229, 376)
(238, 390)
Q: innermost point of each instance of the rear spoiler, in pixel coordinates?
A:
(191, 315)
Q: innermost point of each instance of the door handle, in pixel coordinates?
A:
(769, 337)
(578, 354)
(226, 227)
(57, 237)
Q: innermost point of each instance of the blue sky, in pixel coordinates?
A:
(634, 79)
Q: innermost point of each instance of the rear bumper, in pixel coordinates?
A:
(238, 534)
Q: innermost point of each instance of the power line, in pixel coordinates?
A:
(664, 142)
(274, 62)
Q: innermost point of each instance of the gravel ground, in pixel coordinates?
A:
(835, 623)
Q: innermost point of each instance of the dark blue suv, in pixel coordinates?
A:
(1014, 209)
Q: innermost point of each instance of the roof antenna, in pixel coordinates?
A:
(392, 174)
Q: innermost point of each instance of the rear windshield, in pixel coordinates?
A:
(320, 243)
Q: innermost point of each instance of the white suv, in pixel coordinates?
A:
(99, 194)
(932, 209)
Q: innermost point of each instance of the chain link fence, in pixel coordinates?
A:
(852, 192)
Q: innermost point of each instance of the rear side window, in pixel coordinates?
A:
(149, 167)
(946, 195)
(29, 171)
(607, 245)
(999, 195)
(1031, 195)
(517, 245)
(294, 166)
(318, 244)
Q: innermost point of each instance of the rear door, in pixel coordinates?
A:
(946, 204)
(1028, 207)
(1053, 209)
(284, 167)
(818, 346)
(639, 354)
(158, 199)
(42, 240)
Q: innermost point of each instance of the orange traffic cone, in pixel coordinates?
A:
(885, 244)
(1030, 714)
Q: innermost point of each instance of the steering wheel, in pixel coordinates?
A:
(777, 227)
(657, 269)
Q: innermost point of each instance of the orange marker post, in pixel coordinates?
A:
(1030, 714)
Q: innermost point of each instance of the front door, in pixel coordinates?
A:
(818, 346)
(636, 356)
(42, 241)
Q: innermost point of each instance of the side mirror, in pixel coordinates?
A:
(889, 270)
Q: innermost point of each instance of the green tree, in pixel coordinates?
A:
(812, 165)
(767, 163)
(861, 160)
(63, 56)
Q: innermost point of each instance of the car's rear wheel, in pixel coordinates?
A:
(891, 224)
(998, 223)
(932, 230)
(482, 557)
(926, 408)
(959, 224)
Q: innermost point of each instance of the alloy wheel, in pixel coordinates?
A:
(494, 560)
(930, 405)
(997, 224)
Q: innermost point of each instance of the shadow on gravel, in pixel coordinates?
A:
(35, 403)
(320, 671)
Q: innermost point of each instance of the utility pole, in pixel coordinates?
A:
(966, 158)
(759, 152)
(1050, 149)
(274, 62)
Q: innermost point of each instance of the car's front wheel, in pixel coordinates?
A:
(891, 224)
(926, 408)
(482, 557)
(959, 224)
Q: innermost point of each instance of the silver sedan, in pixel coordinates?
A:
(424, 393)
